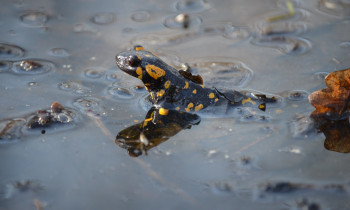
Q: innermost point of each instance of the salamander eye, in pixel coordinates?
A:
(133, 61)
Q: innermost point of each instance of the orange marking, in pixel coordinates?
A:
(148, 119)
(248, 100)
(167, 84)
(139, 48)
(160, 93)
(199, 107)
(186, 85)
(211, 95)
(189, 106)
(139, 72)
(152, 95)
(163, 111)
(194, 91)
(154, 71)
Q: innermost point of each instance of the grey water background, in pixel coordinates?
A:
(221, 163)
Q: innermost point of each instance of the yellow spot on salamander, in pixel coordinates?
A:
(199, 107)
(262, 107)
(189, 106)
(177, 108)
(147, 55)
(216, 100)
(148, 119)
(139, 72)
(167, 84)
(202, 86)
(186, 85)
(139, 57)
(211, 95)
(248, 100)
(152, 96)
(160, 93)
(154, 71)
(163, 111)
(194, 91)
(138, 48)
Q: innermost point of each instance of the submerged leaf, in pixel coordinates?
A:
(333, 101)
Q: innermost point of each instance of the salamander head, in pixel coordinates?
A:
(142, 64)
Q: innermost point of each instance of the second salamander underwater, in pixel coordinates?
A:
(172, 89)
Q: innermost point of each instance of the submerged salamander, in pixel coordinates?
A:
(177, 89)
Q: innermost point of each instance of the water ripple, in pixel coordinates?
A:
(103, 18)
(192, 5)
(286, 44)
(182, 21)
(9, 51)
(121, 93)
(32, 66)
(222, 72)
(5, 66)
(141, 16)
(340, 8)
(34, 18)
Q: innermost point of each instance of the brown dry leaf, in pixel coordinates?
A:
(333, 101)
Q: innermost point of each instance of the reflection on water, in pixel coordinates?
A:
(64, 51)
(336, 132)
(337, 135)
(155, 129)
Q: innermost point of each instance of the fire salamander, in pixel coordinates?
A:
(172, 89)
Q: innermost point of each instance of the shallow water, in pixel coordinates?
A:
(65, 51)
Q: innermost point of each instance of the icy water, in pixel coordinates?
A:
(65, 51)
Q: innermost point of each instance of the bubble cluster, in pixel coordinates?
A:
(32, 66)
(182, 21)
(56, 116)
(74, 87)
(52, 117)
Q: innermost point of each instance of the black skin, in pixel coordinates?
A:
(158, 127)
(185, 92)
